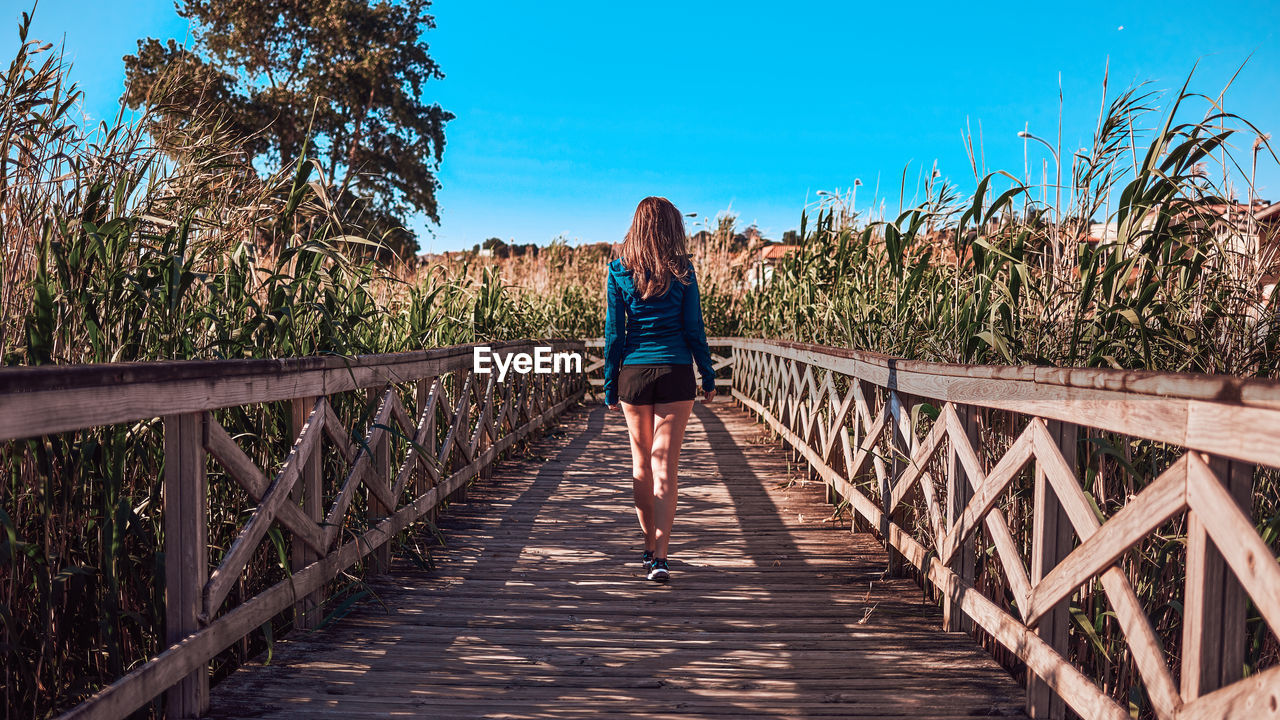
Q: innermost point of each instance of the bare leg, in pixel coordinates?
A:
(640, 424)
(670, 420)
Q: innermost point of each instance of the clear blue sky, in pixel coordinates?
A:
(569, 112)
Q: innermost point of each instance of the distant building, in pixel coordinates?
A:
(761, 270)
(1267, 232)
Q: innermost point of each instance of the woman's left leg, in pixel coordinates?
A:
(670, 420)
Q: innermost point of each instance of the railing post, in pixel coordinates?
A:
(901, 444)
(422, 393)
(307, 491)
(186, 552)
(456, 457)
(1050, 543)
(732, 372)
(380, 558)
(1213, 617)
(959, 492)
(486, 419)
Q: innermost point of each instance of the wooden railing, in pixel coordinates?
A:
(908, 445)
(721, 360)
(401, 468)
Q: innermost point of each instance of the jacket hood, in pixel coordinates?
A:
(622, 274)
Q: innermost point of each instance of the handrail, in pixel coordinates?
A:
(719, 361)
(879, 430)
(402, 467)
(47, 399)
(1225, 415)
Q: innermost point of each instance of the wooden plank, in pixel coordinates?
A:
(1159, 501)
(1143, 644)
(1192, 411)
(959, 493)
(336, 431)
(238, 465)
(142, 684)
(1233, 534)
(308, 493)
(901, 439)
(881, 368)
(1051, 542)
(1231, 417)
(921, 455)
(1080, 693)
(529, 609)
(1256, 697)
(1062, 677)
(448, 448)
(380, 504)
(987, 487)
(186, 546)
(360, 470)
(45, 400)
(274, 497)
(1213, 630)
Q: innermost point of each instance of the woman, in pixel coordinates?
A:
(653, 332)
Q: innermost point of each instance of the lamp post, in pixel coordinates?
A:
(1057, 165)
(1057, 191)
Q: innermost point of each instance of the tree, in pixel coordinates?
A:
(345, 76)
(497, 247)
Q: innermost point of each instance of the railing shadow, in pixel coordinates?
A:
(539, 607)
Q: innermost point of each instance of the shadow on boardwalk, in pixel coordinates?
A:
(537, 608)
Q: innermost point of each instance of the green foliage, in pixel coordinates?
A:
(347, 77)
(1172, 290)
(115, 252)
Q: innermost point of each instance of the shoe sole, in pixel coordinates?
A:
(660, 578)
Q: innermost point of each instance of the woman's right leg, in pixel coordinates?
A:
(640, 425)
(668, 435)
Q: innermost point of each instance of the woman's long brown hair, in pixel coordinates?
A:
(656, 249)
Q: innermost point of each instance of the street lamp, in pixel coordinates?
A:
(1057, 165)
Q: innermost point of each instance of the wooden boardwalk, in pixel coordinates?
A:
(536, 608)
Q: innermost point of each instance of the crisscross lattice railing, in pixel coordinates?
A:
(397, 468)
(929, 455)
(720, 359)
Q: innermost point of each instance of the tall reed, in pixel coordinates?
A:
(1151, 264)
(123, 247)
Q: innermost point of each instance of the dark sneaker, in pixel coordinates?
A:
(646, 560)
(659, 572)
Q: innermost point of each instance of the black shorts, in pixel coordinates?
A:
(653, 384)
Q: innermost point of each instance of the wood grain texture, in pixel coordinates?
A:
(537, 609)
(43, 400)
(186, 543)
(180, 669)
(772, 384)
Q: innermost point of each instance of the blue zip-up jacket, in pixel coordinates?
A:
(664, 329)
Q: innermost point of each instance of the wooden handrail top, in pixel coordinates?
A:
(1225, 389)
(1233, 417)
(58, 398)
